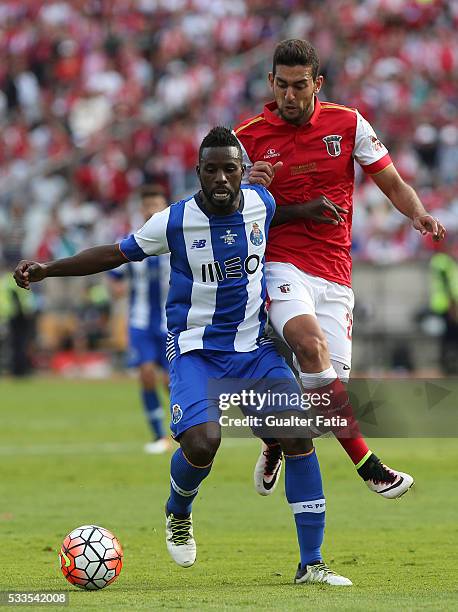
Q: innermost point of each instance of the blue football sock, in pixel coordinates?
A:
(154, 412)
(304, 492)
(185, 480)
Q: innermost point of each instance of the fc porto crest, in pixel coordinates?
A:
(332, 143)
(256, 236)
(177, 413)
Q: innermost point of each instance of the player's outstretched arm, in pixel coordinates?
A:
(320, 209)
(405, 199)
(89, 261)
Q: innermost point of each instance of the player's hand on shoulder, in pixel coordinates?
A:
(263, 172)
(427, 224)
(27, 272)
(323, 210)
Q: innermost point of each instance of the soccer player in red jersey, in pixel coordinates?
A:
(304, 150)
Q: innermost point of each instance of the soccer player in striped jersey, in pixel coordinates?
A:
(305, 150)
(148, 283)
(216, 318)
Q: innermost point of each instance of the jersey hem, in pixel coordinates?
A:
(329, 277)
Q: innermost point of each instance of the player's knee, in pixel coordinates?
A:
(148, 378)
(200, 444)
(296, 446)
(203, 451)
(311, 349)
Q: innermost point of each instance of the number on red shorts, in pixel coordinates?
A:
(350, 325)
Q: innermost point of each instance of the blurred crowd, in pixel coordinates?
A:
(100, 96)
(97, 97)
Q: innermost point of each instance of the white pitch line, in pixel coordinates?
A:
(73, 449)
(103, 448)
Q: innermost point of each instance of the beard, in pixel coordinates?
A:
(298, 118)
(227, 204)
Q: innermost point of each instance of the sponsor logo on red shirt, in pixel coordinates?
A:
(271, 153)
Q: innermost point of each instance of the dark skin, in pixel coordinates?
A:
(220, 172)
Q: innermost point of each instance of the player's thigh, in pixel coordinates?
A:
(265, 364)
(277, 399)
(149, 375)
(335, 315)
(289, 295)
(191, 403)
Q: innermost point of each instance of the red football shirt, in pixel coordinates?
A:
(318, 159)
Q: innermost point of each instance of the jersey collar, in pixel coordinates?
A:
(271, 117)
(200, 204)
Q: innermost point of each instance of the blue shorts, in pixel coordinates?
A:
(146, 347)
(197, 378)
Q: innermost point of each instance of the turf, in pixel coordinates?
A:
(71, 454)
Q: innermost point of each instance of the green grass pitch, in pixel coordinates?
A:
(71, 454)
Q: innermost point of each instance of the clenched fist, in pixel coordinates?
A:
(27, 272)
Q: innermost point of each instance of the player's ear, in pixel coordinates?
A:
(198, 171)
(318, 83)
(271, 78)
(243, 168)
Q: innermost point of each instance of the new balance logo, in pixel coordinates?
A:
(199, 244)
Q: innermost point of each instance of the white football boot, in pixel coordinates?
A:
(320, 573)
(267, 469)
(384, 480)
(180, 539)
(158, 447)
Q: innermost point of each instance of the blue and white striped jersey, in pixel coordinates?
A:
(148, 288)
(217, 290)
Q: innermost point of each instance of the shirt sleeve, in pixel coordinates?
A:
(246, 161)
(151, 239)
(369, 152)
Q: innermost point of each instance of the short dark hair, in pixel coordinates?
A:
(152, 191)
(220, 136)
(296, 52)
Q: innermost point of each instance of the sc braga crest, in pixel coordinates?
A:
(332, 143)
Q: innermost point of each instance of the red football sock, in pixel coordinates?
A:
(356, 448)
(350, 436)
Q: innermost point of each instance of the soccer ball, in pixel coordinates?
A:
(91, 557)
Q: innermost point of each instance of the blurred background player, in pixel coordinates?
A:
(17, 314)
(147, 283)
(444, 303)
(308, 268)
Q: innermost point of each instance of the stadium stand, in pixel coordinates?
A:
(98, 97)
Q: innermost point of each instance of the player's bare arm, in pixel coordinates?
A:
(320, 209)
(405, 199)
(89, 261)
